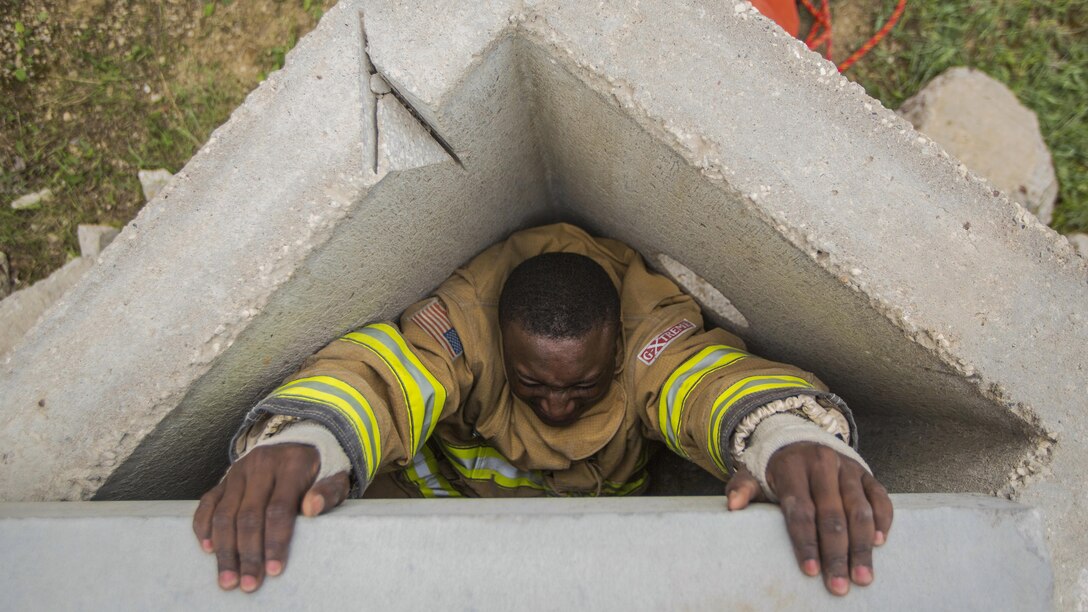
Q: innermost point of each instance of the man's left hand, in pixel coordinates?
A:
(835, 511)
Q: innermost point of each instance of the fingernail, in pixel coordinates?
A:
(206, 545)
(228, 580)
(863, 575)
(878, 538)
(249, 584)
(810, 567)
(839, 585)
(318, 505)
(273, 568)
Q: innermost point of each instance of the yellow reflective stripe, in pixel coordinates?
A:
(486, 463)
(345, 399)
(617, 488)
(418, 479)
(679, 385)
(424, 396)
(432, 465)
(423, 472)
(736, 392)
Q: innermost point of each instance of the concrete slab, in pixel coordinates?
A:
(944, 553)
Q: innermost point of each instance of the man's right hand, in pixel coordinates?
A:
(248, 518)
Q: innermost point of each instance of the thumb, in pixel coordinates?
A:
(742, 489)
(326, 494)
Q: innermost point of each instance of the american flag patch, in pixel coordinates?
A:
(434, 320)
(654, 347)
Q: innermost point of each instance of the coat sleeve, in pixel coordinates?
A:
(381, 390)
(696, 386)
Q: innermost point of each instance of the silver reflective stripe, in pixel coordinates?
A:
(366, 416)
(695, 369)
(425, 388)
(480, 463)
(757, 382)
(423, 472)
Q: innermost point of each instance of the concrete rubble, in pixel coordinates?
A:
(1080, 243)
(951, 319)
(977, 119)
(153, 181)
(31, 201)
(679, 553)
(94, 238)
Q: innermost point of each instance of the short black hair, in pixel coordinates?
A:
(559, 295)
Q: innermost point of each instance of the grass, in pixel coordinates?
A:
(1038, 49)
(91, 98)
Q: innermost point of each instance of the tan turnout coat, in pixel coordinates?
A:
(426, 401)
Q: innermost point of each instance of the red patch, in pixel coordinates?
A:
(654, 347)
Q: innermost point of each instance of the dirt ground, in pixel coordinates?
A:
(94, 90)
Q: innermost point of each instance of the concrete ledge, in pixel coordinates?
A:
(946, 552)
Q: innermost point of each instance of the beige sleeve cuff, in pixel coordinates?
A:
(828, 419)
(779, 430)
(333, 457)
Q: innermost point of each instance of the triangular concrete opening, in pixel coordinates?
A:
(707, 139)
(523, 121)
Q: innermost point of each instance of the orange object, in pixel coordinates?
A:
(783, 12)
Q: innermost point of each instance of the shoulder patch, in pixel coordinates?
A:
(654, 347)
(435, 320)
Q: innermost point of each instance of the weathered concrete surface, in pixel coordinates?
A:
(944, 553)
(978, 119)
(950, 319)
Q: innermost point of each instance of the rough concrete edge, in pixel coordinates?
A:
(617, 93)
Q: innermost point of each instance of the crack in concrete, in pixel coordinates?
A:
(372, 71)
(368, 67)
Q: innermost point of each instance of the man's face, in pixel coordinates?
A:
(559, 378)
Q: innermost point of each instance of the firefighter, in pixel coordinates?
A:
(552, 364)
